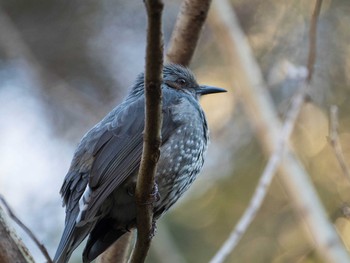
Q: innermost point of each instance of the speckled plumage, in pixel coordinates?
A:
(99, 186)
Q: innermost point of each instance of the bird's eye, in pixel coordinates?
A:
(181, 81)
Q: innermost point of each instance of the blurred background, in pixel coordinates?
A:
(65, 64)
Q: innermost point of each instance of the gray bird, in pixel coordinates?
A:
(98, 190)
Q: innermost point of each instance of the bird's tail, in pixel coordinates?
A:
(101, 237)
(71, 238)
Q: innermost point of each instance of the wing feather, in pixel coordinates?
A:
(120, 156)
(107, 155)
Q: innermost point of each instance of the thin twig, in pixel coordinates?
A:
(26, 229)
(312, 40)
(334, 140)
(188, 27)
(264, 182)
(274, 139)
(145, 185)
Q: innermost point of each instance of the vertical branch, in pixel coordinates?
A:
(312, 40)
(334, 141)
(261, 113)
(145, 187)
(187, 30)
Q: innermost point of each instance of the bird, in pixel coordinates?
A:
(98, 191)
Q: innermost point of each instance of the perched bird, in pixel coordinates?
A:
(98, 190)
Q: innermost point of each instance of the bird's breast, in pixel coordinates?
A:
(182, 156)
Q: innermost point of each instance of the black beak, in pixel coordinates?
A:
(203, 90)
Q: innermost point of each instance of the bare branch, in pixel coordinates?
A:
(264, 182)
(312, 40)
(266, 177)
(26, 229)
(187, 30)
(118, 252)
(334, 141)
(145, 187)
(11, 247)
(262, 114)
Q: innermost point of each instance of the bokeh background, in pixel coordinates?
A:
(65, 64)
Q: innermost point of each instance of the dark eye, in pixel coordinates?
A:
(181, 81)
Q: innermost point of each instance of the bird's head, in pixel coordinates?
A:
(180, 78)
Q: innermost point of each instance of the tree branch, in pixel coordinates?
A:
(259, 107)
(187, 30)
(26, 229)
(11, 247)
(145, 187)
(334, 141)
(186, 34)
(118, 252)
(312, 40)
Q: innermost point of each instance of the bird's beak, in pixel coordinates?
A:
(203, 90)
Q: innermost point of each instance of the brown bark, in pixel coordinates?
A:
(187, 30)
(145, 186)
(118, 252)
(11, 247)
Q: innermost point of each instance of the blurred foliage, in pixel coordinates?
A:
(83, 57)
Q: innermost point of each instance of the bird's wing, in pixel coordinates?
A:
(117, 155)
(114, 141)
(106, 156)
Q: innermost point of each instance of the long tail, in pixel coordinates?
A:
(71, 238)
